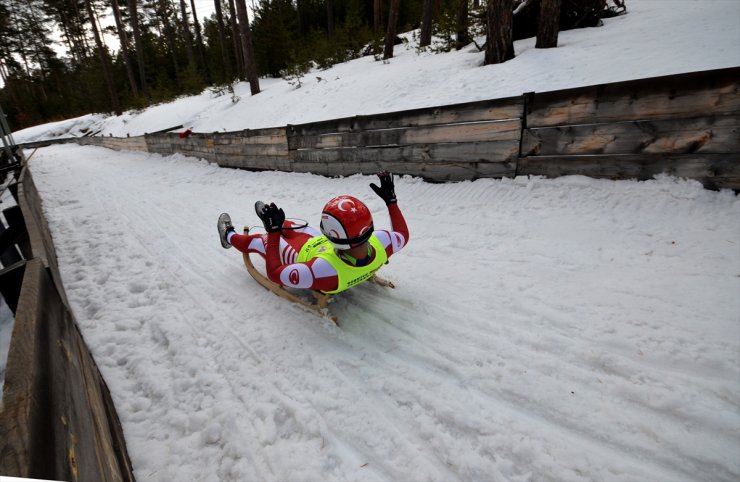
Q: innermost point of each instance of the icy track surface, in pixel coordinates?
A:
(566, 329)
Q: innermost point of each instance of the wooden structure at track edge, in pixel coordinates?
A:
(57, 419)
(684, 125)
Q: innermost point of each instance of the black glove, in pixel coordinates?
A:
(272, 217)
(386, 190)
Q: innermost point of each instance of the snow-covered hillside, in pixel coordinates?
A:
(567, 329)
(656, 37)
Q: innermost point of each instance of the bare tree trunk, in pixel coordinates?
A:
(133, 14)
(201, 47)
(9, 88)
(330, 18)
(250, 66)
(186, 33)
(235, 37)
(163, 13)
(390, 36)
(499, 27)
(548, 25)
(226, 65)
(124, 48)
(425, 38)
(105, 61)
(70, 38)
(299, 12)
(377, 20)
(463, 38)
(82, 38)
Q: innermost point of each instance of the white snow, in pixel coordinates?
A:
(656, 37)
(567, 329)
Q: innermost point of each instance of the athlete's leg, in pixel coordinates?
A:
(249, 243)
(291, 242)
(257, 243)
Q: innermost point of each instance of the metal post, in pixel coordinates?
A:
(10, 156)
(9, 145)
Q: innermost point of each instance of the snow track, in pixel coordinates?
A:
(566, 329)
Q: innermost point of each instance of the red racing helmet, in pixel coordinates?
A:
(346, 222)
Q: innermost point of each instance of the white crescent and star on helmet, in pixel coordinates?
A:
(340, 205)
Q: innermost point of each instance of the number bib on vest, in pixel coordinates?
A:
(349, 276)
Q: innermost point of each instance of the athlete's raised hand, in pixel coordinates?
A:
(386, 191)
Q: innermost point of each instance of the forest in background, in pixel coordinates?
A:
(166, 51)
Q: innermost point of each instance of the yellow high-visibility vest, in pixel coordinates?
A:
(349, 276)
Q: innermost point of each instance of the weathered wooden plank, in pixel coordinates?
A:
(713, 170)
(58, 421)
(193, 147)
(709, 134)
(495, 151)
(116, 143)
(495, 109)
(242, 140)
(40, 241)
(159, 145)
(465, 132)
(280, 163)
(59, 425)
(447, 171)
(683, 95)
(25, 399)
(264, 132)
(252, 150)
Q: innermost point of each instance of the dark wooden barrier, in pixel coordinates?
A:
(57, 419)
(463, 141)
(686, 125)
(258, 149)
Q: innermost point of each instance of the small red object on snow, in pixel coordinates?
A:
(186, 134)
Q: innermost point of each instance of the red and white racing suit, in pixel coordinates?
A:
(280, 251)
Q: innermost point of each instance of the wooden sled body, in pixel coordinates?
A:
(321, 300)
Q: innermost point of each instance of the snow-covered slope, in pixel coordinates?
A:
(566, 329)
(654, 38)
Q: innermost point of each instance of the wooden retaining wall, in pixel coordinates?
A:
(456, 142)
(259, 149)
(686, 125)
(57, 419)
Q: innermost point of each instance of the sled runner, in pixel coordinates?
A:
(321, 300)
(319, 305)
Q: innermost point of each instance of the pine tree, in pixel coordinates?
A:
(105, 61)
(463, 37)
(226, 71)
(425, 37)
(123, 39)
(499, 28)
(390, 36)
(201, 47)
(250, 66)
(548, 24)
(133, 13)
